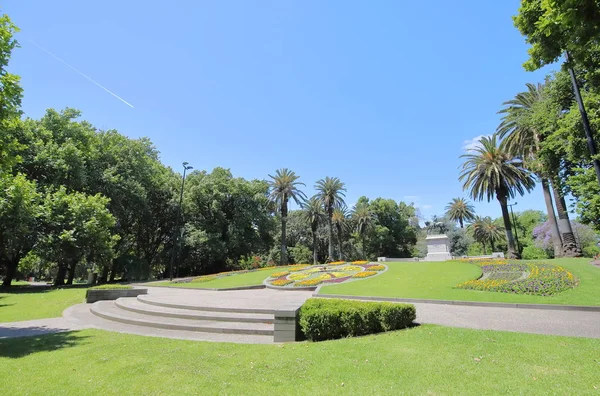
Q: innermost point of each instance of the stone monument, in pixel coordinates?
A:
(438, 247)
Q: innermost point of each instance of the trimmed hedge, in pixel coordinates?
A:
(111, 287)
(328, 319)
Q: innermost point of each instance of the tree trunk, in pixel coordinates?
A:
(483, 244)
(339, 237)
(283, 259)
(60, 275)
(11, 269)
(492, 246)
(569, 244)
(330, 224)
(104, 275)
(512, 251)
(556, 237)
(314, 235)
(113, 270)
(460, 221)
(71, 274)
(363, 246)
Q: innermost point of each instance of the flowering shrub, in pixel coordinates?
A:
(364, 274)
(279, 274)
(377, 267)
(298, 267)
(281, 282)
(359, 262)
(351, 268)
(299, 276)
(521, 278)
(308, 282)
(205, 278)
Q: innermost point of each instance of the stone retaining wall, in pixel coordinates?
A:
(107, 294)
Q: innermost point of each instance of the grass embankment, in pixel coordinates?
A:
(422, 360)
(438, 281)
(27, 304)
(236, 280)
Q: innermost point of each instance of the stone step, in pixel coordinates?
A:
(214, 307)
(135, 305)
(109, 310)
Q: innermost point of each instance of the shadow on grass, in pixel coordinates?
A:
(46, 340)
(38, 289)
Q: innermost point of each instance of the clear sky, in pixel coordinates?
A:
(382, 94)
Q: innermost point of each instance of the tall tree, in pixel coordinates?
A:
(283, 187)
(10, 95)
(331, 192)
(339, 219)
(460, 210)
(363, 218)
(486, 232)
(20, 212)
(314, 215)
(488, 171)
(523, 138)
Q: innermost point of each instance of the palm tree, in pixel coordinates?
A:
(331, 193)
(314, 215)
(283, 186)
(523, 140)
(460, 210)
(363, 217)
(486, 232)
(489, 170)
(338, 219)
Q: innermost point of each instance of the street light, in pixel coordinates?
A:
(186, 167)
(515, 226)
(584, 119)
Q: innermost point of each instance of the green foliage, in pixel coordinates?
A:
(534, 253)
(591, 251)
(328, 319)
(460, 210)
(111, 287)
(301, 254)
(20, 214)
(331, 192)
(553, 27)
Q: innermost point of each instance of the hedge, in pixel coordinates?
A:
(111, 287)
(327, 319)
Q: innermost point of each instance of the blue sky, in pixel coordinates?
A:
(383, 95)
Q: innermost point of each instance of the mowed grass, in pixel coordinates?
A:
(422, 360)
(236, 280)
(27, 304)
(438, 281)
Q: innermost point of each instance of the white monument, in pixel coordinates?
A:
(437, 248)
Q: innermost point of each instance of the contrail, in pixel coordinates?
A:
(81, 73)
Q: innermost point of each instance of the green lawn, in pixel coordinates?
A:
(423, 360)
(437, 280)
(27, 304)
(237, 280)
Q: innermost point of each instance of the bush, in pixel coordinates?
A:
(327, 319)
(534, 253)
(591, 251)
(111, 287)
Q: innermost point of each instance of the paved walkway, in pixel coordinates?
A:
(555, 322)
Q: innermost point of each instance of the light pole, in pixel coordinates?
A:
(186, 167)
(584, 118)
(515, 226)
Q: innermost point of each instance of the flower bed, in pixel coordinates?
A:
(310, 276)
(522, 278)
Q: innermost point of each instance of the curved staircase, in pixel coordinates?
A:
(222, 316)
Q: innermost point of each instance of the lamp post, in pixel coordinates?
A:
(186, 167)
(584, 118)
(515, 226)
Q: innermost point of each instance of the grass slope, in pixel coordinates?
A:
(422, 360)
(437, 280)
(237, 280)
(17, 305)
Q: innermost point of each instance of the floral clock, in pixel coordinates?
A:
(312, 275)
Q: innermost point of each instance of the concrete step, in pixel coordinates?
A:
(221, 306)
(135, 305)
(109, 310)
